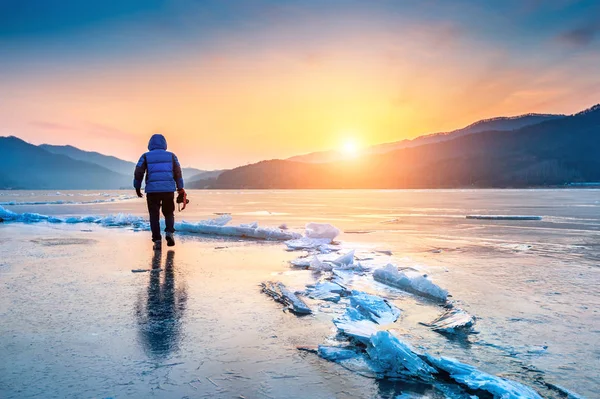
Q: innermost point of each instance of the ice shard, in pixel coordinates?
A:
(360, 330)
(281, 294)
(412, 282)
(372, 307)
(321, 230)
(397, 358)
(477, 380)
(452, 321)
(326, 291)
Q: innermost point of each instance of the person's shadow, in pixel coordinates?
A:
(160, 312)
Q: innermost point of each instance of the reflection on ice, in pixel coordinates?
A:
(160, 314)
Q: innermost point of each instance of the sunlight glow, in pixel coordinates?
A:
(350, 148)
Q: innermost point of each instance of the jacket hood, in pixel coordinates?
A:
(157, 142)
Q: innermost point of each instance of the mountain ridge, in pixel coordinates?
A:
(110, 162)
(553, 152)
(504, 123)
(36, 168)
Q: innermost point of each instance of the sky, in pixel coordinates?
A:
(235, 82)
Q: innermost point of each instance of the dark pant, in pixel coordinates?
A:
(156, 201)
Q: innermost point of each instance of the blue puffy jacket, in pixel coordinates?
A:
(162, 169)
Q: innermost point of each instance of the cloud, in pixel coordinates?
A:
(52, 125)
(100, 130)
(580, 36)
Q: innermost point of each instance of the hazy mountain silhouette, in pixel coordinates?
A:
(554, 152)
(499, 124)
(28, 166)
(109, 162)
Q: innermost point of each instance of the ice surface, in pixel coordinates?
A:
(478, 380)
(563, 391)
(413, 282)
(504, 217)
(452, 321)
(372, 307)
(397, 358)
(321, 230)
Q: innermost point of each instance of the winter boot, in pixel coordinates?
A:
(170, 240)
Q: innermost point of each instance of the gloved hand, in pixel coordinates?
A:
(180, 195)
(139, 193)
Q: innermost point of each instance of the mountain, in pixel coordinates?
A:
(27, 166)
(498, 124)
(203, 180)
(109, 162)
(555, 151)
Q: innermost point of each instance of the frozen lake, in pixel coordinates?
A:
(76, 322)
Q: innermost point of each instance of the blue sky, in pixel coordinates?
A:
(432, 66)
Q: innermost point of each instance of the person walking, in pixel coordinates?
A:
(163, 178)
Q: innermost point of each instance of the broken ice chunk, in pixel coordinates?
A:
(479, 381)
(303, 261)
(452, 321)
(397, 358)
(413, 282)
(360, 330)
(373, 308)
(326, 291)
(345, 260)
(318, 265)
(336, 353)
(306, 243)
(321, 230)
(281, 294)
(263, 233)
(350, 359)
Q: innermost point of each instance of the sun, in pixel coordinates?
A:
(350, 148)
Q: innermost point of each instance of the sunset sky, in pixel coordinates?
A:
(234, 82)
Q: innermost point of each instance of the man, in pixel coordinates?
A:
(163, 177)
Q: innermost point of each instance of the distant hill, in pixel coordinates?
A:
(203, 180)
(497, 124)
(107, 161)
(26, 166)
(556, 151)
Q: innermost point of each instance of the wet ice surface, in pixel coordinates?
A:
(75, 321)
